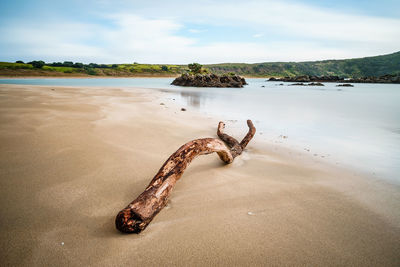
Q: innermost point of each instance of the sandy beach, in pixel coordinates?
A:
(71, 158)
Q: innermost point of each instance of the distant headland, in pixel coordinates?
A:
(357, 68)
(388, 78)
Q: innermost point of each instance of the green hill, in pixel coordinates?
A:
(69, 68)
(357, 67)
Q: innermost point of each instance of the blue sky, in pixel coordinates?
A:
(181, 32)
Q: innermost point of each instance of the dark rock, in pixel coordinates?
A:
(345, 85)
(304, 78)
(315, 84)
(308, 84)
(388, 78)
(209, 80)
(183, 109)
(307, 78)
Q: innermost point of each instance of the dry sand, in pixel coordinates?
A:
(71, 158)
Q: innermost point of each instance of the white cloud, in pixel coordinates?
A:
(196, 30)
(310, 33)
(61, 41)
(290, 18)
(143, 40)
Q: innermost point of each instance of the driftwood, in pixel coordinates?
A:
(140, 212)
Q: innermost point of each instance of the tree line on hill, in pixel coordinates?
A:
(347, 68)
(92, 68)
(39, 64)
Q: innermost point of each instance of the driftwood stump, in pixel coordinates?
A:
(140, 212)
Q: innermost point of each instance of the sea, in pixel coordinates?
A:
(355, 127)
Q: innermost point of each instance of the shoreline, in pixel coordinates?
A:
(105, 77)
(171, 77)
(84, 77)
(72, 157)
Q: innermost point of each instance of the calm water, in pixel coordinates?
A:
(357, 126)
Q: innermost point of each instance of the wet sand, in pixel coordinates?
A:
(71, 158)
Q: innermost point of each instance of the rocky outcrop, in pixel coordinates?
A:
(315, 84)
(209, 80)
(307, 78)
(372, 79)
(308, 84)
(381, 79)
(345, 85)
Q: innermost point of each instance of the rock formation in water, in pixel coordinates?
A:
(381, 79)
(372, 79)
(345, 85)
(308, 84)
(209, 80)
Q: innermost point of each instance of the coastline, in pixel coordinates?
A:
(72, 157)
(86, 77)
(106, 77)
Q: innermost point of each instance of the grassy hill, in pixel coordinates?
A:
(79, 69)
(357, 67)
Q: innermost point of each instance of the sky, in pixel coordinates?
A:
(181, 32)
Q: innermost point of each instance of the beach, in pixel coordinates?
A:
(72, 157)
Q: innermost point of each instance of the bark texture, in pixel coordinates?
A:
(140, 212)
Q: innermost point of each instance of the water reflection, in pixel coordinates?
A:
(190, 97)
(193, 99)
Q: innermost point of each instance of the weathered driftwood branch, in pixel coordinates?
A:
(236, 147)
(140, 212)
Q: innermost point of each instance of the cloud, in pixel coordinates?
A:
(290, 31)
(196, 30)
(141, 39)
(127, 38)
(292, 18)
(258, 35)
(50, 41)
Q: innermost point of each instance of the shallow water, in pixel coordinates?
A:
(353, 126)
